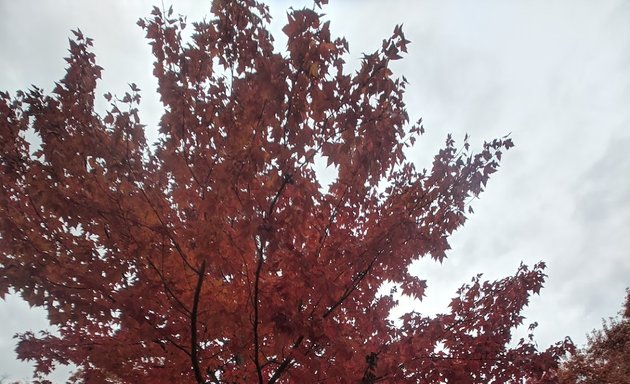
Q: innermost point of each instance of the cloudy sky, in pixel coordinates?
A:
(553, 73)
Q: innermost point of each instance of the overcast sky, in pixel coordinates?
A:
(553, 73)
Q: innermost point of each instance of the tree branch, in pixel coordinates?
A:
(261, 259)
(355, 284)
(256, 315)
(193, 325)
(286, 363)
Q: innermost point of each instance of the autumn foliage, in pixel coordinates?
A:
(215, 255)
(606, 358)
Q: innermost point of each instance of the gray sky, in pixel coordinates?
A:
(553, 73)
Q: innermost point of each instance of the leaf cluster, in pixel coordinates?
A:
(606, 357)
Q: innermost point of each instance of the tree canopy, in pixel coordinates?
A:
(606, 357)
(215, 255)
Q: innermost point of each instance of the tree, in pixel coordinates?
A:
(215, 255)
(606, 357)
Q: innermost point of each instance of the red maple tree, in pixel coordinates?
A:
(606, 357)
(215, 256)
